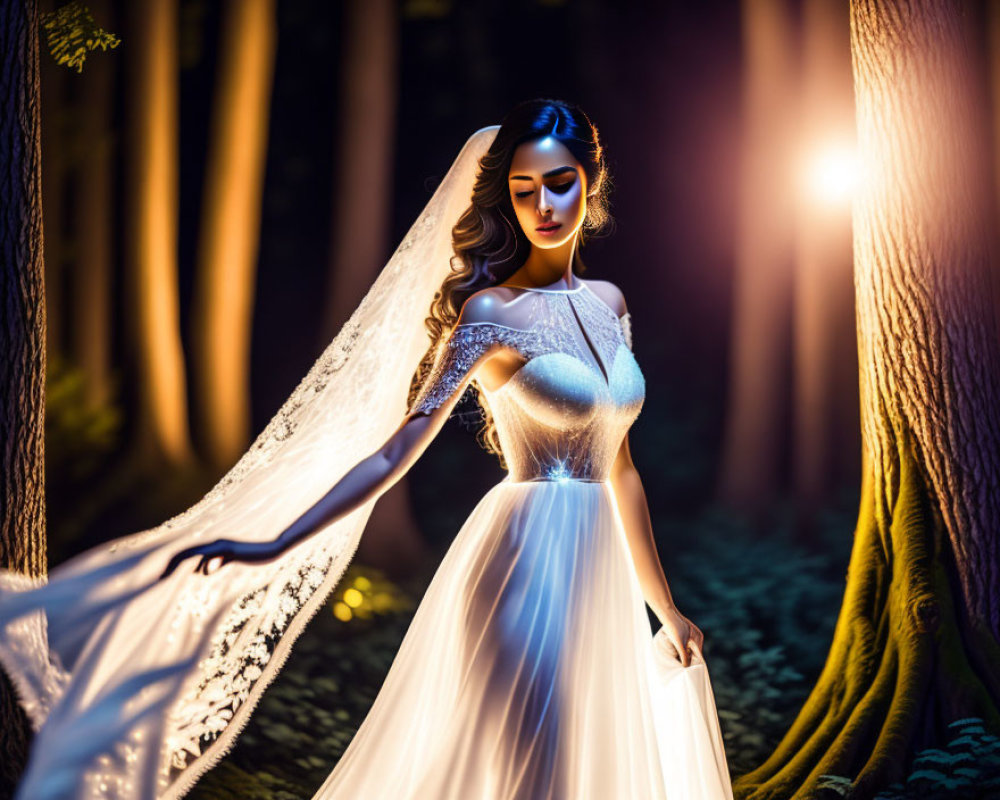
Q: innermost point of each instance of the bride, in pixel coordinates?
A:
(529, 669)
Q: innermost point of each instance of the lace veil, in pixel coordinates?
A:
(135, 686)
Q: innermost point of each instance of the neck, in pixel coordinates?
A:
(547, 266)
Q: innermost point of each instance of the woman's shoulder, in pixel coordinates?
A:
(609, 293)
(487, 305)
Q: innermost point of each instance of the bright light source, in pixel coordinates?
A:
(832, 175)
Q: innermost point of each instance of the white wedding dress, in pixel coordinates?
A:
(529, 671)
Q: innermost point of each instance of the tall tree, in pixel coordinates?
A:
(22, 339)
(92, 273)
(825, 443)
(150, 231)
(916, 642)
(759, 352)
(230, 230)
(363, 178)
(362, 209)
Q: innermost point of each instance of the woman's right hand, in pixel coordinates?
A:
(224, 551)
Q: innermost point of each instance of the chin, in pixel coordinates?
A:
(550, 243)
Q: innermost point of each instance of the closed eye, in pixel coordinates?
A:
(559, 188)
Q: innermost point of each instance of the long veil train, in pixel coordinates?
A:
(135, 686)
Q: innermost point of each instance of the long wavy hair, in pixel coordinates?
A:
(489, 243)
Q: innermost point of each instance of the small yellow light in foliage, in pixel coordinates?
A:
(353, 598)
(832, 174)
(365, 595)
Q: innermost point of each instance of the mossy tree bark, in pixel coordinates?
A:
(916, 643)
(22, 340)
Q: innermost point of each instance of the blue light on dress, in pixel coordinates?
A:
(558, 472)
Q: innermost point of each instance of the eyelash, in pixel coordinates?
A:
(561, 188)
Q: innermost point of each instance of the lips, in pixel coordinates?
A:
(548, 227)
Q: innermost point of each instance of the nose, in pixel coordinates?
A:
(544, 201)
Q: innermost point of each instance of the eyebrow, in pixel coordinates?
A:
(550, 174)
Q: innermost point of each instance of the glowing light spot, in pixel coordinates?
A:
(353, 598)
(362, 583)
(832, 174)
(342, 612)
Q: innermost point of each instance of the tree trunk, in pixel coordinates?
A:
(22, 341)
(759, 353)
(150, 230)
(52, 82)
(92, 277)
(991, 21)
(915, 646)
(363, 180)
(826, 446)
(363, 188)
(230, 231)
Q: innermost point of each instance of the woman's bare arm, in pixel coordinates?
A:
(376, 473)
(634, 512)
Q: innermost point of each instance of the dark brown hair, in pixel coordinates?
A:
(488, 241)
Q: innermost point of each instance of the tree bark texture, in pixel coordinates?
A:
(915, 645)
(22, 339)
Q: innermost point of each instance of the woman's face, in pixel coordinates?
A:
(548, 191)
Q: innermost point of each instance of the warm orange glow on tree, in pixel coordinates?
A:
(150, 231)
(916, 643)
(230, 230)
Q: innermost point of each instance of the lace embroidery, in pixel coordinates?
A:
(462, 349)
(552, 332)
(626, 321)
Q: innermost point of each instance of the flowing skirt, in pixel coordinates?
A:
(529, 671)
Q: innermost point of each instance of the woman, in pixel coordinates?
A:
(529, 670)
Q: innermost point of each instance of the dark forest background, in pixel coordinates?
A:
(723, 124)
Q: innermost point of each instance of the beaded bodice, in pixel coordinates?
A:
(564, 413)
